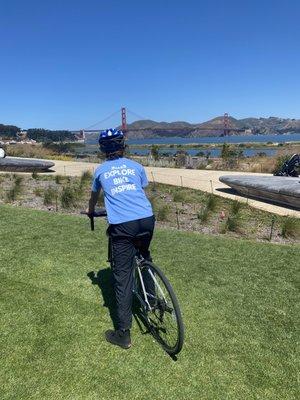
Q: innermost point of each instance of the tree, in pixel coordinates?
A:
(9, 131)
(154, 151)
(225, 152)
(228, 152)
(45, 135)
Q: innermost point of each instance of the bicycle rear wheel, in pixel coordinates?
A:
(163, 317)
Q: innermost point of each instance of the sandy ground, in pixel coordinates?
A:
(205, 180)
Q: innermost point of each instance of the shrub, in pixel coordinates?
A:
(179, 196)
(291, 228)
(154, 151)
(58, 179)
(235, 207)
(203, 214)
(68, 197)
(35, 175)
(163, 212)
(13, 193)
(201, 166)
(18, 181)
(50, 195)
(86, 177)
(233, 223)
(223, 227)
(211, 203)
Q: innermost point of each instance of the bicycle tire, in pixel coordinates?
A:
(156, 331)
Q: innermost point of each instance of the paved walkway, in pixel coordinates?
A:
(204, 180)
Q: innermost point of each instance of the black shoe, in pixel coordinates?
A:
(119, 338)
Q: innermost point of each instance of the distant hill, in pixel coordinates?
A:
(272, 125)
(149, 124)
(150, 129)
(213, 127)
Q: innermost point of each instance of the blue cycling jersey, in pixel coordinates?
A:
(122, 181)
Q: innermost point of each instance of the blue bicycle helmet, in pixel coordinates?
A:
(111, 140)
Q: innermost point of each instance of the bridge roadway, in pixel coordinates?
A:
(204, 180)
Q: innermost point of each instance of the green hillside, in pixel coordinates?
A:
(238, 301)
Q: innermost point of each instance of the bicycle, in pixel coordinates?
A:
(155, 297)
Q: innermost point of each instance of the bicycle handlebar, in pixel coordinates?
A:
(101, 212)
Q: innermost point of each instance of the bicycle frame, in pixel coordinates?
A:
(155, 302)
(138, 260)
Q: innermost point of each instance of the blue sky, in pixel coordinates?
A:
(68, 64)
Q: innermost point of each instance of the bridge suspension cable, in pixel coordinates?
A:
(135, 114)
(103, 120)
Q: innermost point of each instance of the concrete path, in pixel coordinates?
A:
(204, 180)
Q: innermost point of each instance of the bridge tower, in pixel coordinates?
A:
(82, 134)
(123, 118)
(226, 124)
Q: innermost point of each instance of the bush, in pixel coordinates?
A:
(261, 154)
(68, 197)
(18, 181)
(201, 166)
(14, 192)
(203, 214)
(154, 151)
(179, 196)
(86, 177)
(223, 227)
(58, 179)
(11, 195)
(291, 228)
(163, 213)
(35, 175)
(235, 207)
(50, 195)
(233, 223)
(211, 203)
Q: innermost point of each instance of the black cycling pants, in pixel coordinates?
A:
(123, 247)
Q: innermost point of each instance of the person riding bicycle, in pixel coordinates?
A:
(129, 214)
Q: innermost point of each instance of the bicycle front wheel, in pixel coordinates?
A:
(164, 316)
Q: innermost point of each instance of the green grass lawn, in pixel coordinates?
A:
(238, 300)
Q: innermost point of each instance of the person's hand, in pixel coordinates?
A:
(89, 212)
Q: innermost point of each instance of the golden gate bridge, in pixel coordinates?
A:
(225, 128)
